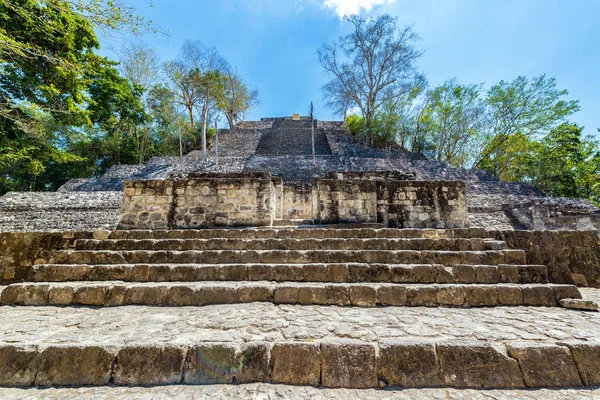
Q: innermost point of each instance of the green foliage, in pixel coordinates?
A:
(568, 164)
(528, 107)
(356, 125)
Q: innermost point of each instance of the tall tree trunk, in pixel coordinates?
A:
(205, 118)
(191, 114)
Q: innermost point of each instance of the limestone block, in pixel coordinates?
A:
(510, 296)
(545, 365)
(587, 358)
(474, 364)
(312, 295)
(296, 363)
(217, 295)
(487, 274)
(24, 294)
(17, 365)
(89, 295)
(451, 296)
(508, 274)
(579, 304)
(149, 365)
(566, 292)
(212, 363)
(538, 296)
(75, 365)
(481, 296)
(421, 296)
(409, 364)
(392, 295)
(338, 295)
(252, 293)
(316, 273)
(286, 295)
(256, 363)
(348, 365)
(363, 296)
(61, 295)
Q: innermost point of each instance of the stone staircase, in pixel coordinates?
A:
(293, 138)
(258, 274)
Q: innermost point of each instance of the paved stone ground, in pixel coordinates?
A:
(268, 322)
(269, 391)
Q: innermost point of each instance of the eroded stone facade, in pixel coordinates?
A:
(257, 199)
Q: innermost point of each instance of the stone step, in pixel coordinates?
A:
(289, 392)
(176, 294)
(319, 346)
(490, 257)
(289, 244)
(350, 272)
(340, 364)
(318, 232)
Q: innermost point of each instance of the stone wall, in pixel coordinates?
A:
(200, 201)
(21, 249)
(572, 257)
(395, 203)
(297, 201)
(539, 215)
(147, 204)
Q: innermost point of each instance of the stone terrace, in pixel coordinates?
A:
(335, 308)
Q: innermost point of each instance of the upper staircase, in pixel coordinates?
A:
(294, 138)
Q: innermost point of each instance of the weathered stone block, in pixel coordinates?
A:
(90, 295)
(587, 359)
(25, 294)
(75, 365)
(473, 364)
(422, 296)
(18, 365)
(252, 293)
(285, 295)
(545, 365)
(363, 296)
(296, 363)
(481, 296)
(510, 296)
(391, 295)
(451, 296)
(538, 296)
(338, 295)
(149, 365)
(409, 364)
(312, 295)
(348, 365)
(61, 295)
(256, 363)
(212, 363)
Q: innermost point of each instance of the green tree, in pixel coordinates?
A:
(568, 164)
(373, 66)
(47, 62)
(237, 98)
(454, 115)
(528, 107)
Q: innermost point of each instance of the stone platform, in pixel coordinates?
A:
(476, 347)
(324, 307)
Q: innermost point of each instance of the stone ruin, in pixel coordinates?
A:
(282, 147)
(369, 269)
(258, 199)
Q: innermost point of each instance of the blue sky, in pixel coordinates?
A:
(274, 43)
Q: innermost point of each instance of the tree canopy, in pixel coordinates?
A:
(66, 112)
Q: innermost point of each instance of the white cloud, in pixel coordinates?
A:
(348, 7)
